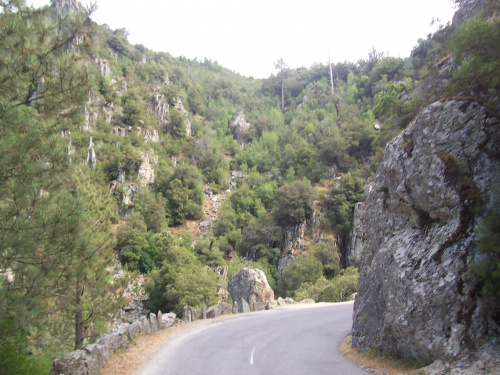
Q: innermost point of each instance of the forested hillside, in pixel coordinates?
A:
(110, 154)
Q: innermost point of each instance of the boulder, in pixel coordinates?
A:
(239, 126)
(185, 314)
(167, 320)
(119, 338)
(258, 306)
(250, 285)
(203, 313)
(281, 302)
(193, 314)
(80, 362)
(145, 326)
(235, 307)
(271, 304)
(289, 301)
(153, 323)
(244, 307)
(212, 312)
(224, 308)
(134, 329)
(160, 320)
(416, 297)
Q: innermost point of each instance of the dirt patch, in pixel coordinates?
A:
(375, 364)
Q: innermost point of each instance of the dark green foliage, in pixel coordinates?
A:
(487, 264)
(293, 203)
(181, 281)
(260, 239)
(209, 253)
(184, 194)
(329, 257)
(339, 289)
(133, 241)
(152, 209)
(303, 269)
(343, 197)
(475, 48)
(55, 218)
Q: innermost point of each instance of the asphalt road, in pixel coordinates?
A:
(293, 340)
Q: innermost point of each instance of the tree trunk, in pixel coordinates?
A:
(283, 96)
(331, 79)
(78, 319)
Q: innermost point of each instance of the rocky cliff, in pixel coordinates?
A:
(416, 295)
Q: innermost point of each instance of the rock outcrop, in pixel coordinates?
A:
(416, 297)
(90, 157)
(146, 174)
(239, 126)
(358, 237)
(468, 10)
(249, 285)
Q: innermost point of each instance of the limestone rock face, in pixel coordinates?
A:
(146, 173)
(90, 157)
(178, 104)
(103, 66)
(468, 10)
(357, 235)
(239, 126)
(415, 297)
(160, 106)
(250, 285)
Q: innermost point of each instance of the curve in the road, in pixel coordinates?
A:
(293, 340)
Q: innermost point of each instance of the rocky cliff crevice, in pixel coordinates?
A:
(416, 296)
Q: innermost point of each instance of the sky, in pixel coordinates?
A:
(249, 36)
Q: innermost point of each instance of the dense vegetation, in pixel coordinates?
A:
(309, 150)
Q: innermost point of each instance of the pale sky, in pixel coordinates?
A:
(248, 36)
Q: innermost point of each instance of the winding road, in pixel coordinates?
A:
(293, 340)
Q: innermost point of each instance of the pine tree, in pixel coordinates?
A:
(52, 238)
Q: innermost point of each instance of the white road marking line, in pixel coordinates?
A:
(251, 356)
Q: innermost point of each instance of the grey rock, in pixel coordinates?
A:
(153, 323)
(235, 307)
(145, 326)
(250, 285)
(224, 308)
(290, 301)
(258, 306)
(134, 329)
(193, 314)
(468, 10)
(160, 106)
(355, 248)
(213, 312)
(414, 299)
(129, 195)
(167, 320)
(185, 314)
(243, 307)
(90, 157)
(203, 314)
(146, 174)
(479, 365)
(271, 304)
(239, 126)
(86, 361)
(281, 302)
(160, 320)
